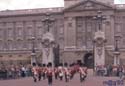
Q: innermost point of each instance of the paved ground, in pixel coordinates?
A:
(90, 81)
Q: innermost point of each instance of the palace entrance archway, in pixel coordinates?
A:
(88, 60)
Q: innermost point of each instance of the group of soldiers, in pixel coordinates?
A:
(60, 72)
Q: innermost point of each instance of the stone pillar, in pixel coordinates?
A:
(47, 48)
(99, 51)
(48, 55)
(33, 58)
(116, 58)
(118, 61)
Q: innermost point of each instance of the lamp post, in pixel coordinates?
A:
(33, 54)
(116, 50)
(99, 40)
(99, 19)
(93, 50)
(48, 41)
(48, 21)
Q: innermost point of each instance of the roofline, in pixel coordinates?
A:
(104, 4)
(30, 12)
(21, 15)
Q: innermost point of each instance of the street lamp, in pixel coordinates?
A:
(99, 19)
(33, 54)
(93, 47)
(116, 50)
(48, 41)
(99, 40)
(48, 21)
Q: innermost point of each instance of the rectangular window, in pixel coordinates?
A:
(10, 32)
(29, 32)
(118, 27)
(29, 44)
(19, 44)
(1, 45)
(19, 31)
(1, 33)
(123, 41)
(89, 44)
(85, 27)
(39, 31)
(10, 45)
(39, 45)
(61, 30)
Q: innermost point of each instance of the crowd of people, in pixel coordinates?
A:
(59, 72)
(15, 71)
(110, 70)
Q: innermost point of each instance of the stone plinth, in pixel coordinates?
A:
(116, 58)
(47, 48)
(99, 50)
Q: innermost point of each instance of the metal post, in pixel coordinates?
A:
(48, 21)
(33, 54)
(99, 19)
(116, 51)
(94, 66)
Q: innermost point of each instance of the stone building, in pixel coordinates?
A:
(73, 29)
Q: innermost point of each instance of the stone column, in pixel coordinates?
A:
(33, 58)
(99, 51)
(47, 48)
(48, 55)
(116, 58)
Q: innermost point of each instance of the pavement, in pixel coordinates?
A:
(91, 80)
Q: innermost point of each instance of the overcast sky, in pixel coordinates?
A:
(119, 1)
(29, 4)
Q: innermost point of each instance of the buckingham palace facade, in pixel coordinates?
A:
(73, 29)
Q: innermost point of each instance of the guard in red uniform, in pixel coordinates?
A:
(44, 70)
(39, 72)
(50, 74)
(66, 72)
(56, 72)
(35, 72)
(60, 69)
(82, 74)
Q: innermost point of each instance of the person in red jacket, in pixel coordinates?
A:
(83, 73)
(39, 70)
(66, 72)
(50, 74)
(44, 70)
(35, 72)
(56, 72)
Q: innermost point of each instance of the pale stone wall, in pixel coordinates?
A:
(72, 56)
(16, 30)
